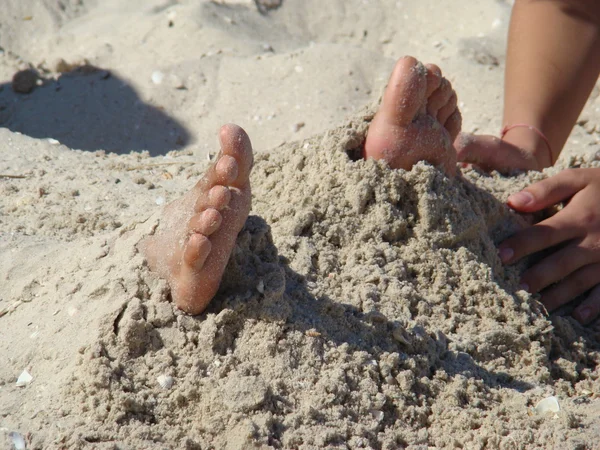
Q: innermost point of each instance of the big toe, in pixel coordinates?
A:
(406, 92)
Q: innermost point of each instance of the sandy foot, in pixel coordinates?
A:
(418, 119)
(197, 232)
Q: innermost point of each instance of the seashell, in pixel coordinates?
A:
(398, 335)
(24, 379)
(261, 287)
(377, 415)
(157, 77)
(312, 333)
(547, 405)
(17, 440)
(165, 381)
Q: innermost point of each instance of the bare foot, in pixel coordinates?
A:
(418, 119)
(197, 232)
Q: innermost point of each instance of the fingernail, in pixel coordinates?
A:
(524, 287)
(506, 254)
(520, 199)
(585, 313)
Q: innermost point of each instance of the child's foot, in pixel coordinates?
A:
(197, 233)
(418, 119)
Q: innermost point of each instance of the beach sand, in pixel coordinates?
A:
(362, 307)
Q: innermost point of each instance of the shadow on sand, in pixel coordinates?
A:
(91, 109)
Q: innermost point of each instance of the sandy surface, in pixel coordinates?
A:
(362, 308)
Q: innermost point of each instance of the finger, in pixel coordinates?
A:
(550, 191)
(492, 153)
(555, 267)
(559, 228)
(589, 309)
(572, 286)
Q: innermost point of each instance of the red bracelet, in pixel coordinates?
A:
(507, 128)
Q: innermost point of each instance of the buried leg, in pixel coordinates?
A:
(418, 119)
(197, 232)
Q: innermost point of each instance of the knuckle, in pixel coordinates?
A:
(588, 219)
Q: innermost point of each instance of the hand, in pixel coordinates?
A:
(492, 153)
(574, 266)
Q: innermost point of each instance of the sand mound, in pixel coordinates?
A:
(363, 308)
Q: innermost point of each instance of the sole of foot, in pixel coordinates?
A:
(197, 233)
(418, 119)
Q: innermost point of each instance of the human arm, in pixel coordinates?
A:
(552, 64)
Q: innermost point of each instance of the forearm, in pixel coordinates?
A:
(553, 62)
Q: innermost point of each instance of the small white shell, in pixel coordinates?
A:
(377, 415)
(24, 379)
(547, 405)
(261, 287)
(17, 440)
(165, 381)
(157, 77)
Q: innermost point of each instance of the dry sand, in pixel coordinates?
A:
(362, 308)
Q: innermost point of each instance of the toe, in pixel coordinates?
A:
(446, 111)
(434, 78)
(234, 162)
(226, 170)
(206, 223)
(405, 93)
(196, 250)
(218, 197)
(236, 143)
(439, 98)
(454, 124)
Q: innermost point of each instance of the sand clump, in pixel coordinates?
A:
(362, 308)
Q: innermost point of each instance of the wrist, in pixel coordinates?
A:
(531, 141)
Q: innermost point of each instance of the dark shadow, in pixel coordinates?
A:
(91, 109)
(287, 297)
